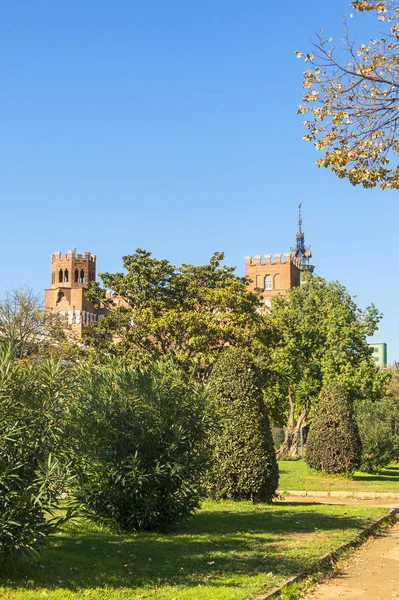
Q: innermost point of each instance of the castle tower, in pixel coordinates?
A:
(72, 270)
(69, 277)
(278, 273)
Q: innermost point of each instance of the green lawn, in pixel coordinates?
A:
(296, 475)
(228, 551)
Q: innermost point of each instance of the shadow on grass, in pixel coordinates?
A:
(391, 473)
(386, 476)
(214, 545)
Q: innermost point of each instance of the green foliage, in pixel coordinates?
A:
(333, 443)
(378, 424)
(33, 463)
(243, 464)
(319, 335)
(190, 312)
(139, 445)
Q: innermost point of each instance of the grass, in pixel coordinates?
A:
(227, 552)
(296, 475)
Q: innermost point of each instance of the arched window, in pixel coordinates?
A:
(268, 282)
(60, 276)
(82, 276)
(66, 276)
(76, 276)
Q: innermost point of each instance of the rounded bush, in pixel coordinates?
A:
(333, 443)
(243, 460)
(139, 445)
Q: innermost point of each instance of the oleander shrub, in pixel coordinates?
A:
(243, 462)
(139, 445)
(333, 443)
(34, 462)
(378, 424)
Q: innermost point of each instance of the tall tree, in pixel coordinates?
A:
(352, 101)
(190, 312)
(319, 338)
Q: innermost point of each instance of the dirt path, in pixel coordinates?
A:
(371, 573)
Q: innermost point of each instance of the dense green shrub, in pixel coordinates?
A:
(140, 440)
(378, 424)
(333, 443)
(243, 462)
(33, 461)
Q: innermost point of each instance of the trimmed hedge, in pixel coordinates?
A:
(243, 463)
(333, 443)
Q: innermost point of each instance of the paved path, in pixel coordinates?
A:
(388, 502)
(371, 573)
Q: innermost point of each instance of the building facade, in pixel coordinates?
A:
(70, 275)
(278, 273)
(379, 354)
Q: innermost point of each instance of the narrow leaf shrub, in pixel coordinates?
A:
(243, 461)
(33, 460)
(139, 446)
(333, 443)
(378, 424)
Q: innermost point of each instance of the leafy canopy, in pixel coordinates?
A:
(190, 312)
(352, 101)
(320, 336)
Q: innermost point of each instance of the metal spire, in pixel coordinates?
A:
(300, 238)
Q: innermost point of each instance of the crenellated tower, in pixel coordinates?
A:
(69, 278)
(278, 273)
(72, 270)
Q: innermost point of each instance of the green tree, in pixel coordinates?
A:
(352, 100)
(319, 336)
(333, 443)
(243, 461)
(378, 424)
(190, 312)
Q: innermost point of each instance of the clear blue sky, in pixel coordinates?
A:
(172, 126)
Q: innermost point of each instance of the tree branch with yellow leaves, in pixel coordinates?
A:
(352, 101)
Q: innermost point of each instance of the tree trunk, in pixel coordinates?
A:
(292, 433)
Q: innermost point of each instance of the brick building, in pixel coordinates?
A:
(278, 273)
(70, 275)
